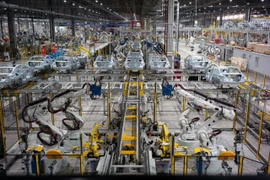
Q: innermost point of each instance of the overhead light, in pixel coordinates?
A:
(108, 8)
(247, 3)
(228, 7)
(73, 4)
(262, 0)
(84, 8)
(204, 7)
(15, 9)
(89, 9)
(96, 1)
(65, 1)
(230, 0)
(190, 2)
(96, 12)
(101, 4)
(219, 3)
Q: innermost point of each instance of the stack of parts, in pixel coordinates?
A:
(262, 48)
(239, 62)
(251, 45)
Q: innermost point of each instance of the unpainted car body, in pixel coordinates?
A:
(196, 62)
(65, 64)
(134, 64)
(81, 61)
(40, 64)
(224, 75)
(158, 62)
(15, 76)
(104, 63)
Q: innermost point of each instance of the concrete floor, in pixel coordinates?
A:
(168, 112)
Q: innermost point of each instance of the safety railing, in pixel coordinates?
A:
(46, 164)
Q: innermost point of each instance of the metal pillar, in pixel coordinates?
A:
(221, 18)
(2, 130)
(17, 120)
(52, 115)
(177, 27)
(109, 105)
(172, 155)
(154, 32)
(235, 104)
(80, 105)
(12, 33)
(247, 14)
(169, 43)
(52, 28)
(155, 104)
(260, 136)
(73, 27)
(240, 167)
(81, 155)
(268, 169)
(33, 25)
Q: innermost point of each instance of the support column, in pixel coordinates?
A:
(33, 25)
(154, 32)
(73, 27)
(169, 43)
(177, 27)
(247, 14)
(52, 28)
(12, 33)
(221, 18)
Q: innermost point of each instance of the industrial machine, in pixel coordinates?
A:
(118, 51)
(200, 138)
(12, 77)
(53, 141)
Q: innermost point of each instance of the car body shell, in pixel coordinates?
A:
(40, 64)
(196, 62)
(134, 63)
(14, 76)
(65, 64)
(158, 62)
(105, 63)
(224, 75)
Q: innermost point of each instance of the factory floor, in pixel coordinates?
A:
(168, 112)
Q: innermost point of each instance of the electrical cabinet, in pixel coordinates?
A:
(255, 61)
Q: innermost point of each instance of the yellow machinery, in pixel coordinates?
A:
(94, 143)
(85, 50)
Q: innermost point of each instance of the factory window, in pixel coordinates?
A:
(256, 61)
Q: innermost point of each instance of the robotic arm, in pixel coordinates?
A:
(49, 134)
(200, 103)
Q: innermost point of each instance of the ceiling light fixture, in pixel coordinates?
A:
(262, 0)
(73, 4)
(96, 1)
(247, 3)
(65, 1)
(219, 3)
(230, 0)
(101, 4)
